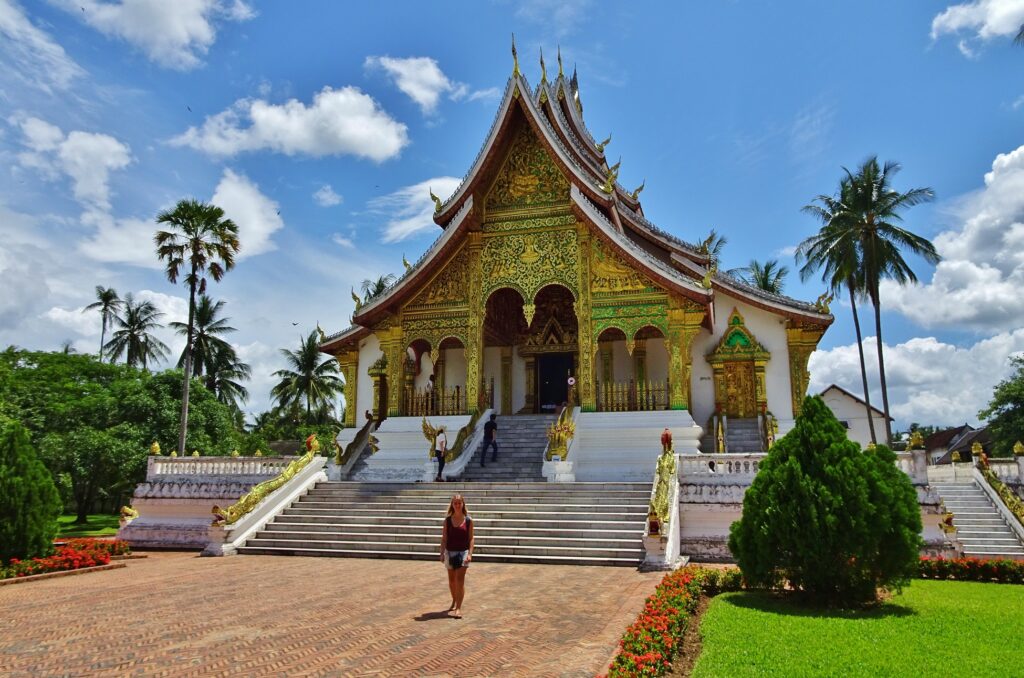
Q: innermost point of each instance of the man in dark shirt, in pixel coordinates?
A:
(490, 433)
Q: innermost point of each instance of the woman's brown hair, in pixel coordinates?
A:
(465, 511)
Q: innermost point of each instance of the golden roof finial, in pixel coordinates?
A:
(600, 146)
(437, 201)
(543, 70)
(405, 262)
(560, 73)
(614, 169)
(636, 191)
(515, 57)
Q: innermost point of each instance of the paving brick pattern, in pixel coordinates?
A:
(177, 614)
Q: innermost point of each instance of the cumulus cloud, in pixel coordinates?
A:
(326, 197)
(925, 375)
(173, 34)
(409, 210)
(981, 20)
(32, 54)
(338, 122)
(256, 215)
(422, 79)
(84, 157)
(114, 240)
(978, 284)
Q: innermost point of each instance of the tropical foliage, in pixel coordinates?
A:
(199, 240)
(372, 289)
(769, 276)
(858, 520)
(108, 304)
(207, 331)
(134, 337)
(713, 245)
(311, 380)
(1004, 414)
(29, 502)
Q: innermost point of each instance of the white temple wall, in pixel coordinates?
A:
(519, 378)
(492, 370)
(454, 367)
(702, 385)
(369, 353)
(657, 360)
(622, 362)
(426, 369)
(852, 412)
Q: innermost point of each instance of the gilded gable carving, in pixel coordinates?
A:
(527, 262)
(609, 273)
(529, 177)
(449, 286)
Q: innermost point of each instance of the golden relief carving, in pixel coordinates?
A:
(740, 389)
(449, 285)
(529, 177)
(801, 340)
(609, 273)
(528, 262)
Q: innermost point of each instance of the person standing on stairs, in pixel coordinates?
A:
(457, 550)
(490, 440)
(440, 450)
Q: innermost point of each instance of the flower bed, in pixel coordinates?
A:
(972, 569)
(66, 558)
(112, 547)
(650, 643)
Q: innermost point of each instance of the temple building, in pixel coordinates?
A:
(548, 284)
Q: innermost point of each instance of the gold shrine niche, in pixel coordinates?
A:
(738, 364)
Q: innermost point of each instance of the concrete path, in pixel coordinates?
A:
(177, 614)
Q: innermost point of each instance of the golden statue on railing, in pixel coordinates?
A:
(660, 509)
(560, 433)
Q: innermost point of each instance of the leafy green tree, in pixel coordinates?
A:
(206, 335)
(224, 375)
(374, 288)
(199, 240)
(134, 338)
(1005, 412)
(835, 251)
(834, 522)
(29, 502)
(108, 304)
(312, 378)
(769, 276)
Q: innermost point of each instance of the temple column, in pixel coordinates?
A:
(530, 368)
(684, 322)
(391, 345)
(474, 330)
(585, 381)
(640, 361)
(349, 363)
(801, 340)
(378, 373)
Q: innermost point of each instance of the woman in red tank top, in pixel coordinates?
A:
(457, 550)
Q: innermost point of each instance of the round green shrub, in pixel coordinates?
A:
(835, 522)
(29, 501)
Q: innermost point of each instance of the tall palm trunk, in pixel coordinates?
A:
(103, 334)
(881, 367)
(188, 365)
(863, 367)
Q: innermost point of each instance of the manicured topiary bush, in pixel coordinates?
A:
(835, 522)
(29, 502)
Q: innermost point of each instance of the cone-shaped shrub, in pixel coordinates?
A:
(29, 502)
(835, 522)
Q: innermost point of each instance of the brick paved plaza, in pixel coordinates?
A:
(177, 614)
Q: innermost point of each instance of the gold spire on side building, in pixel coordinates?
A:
(560, 73)
(636, 191)
(543, 70)
(600, 146)
(515, 57)
(437, 201)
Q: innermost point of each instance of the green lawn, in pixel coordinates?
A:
(99, 525)
(931, 629)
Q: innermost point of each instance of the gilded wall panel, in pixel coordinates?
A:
(449, 286)
(529, 177)
(529, 261)
(611, 275)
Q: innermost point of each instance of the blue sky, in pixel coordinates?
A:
(318, 126)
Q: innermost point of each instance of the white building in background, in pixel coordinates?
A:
(852, 413)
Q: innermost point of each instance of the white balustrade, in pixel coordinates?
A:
(215, 466)
(905, 462)
(1007, 470)
(739, 466)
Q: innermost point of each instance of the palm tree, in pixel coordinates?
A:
(769, 276)
(1019, 40)
(224, 371)
(199, 240)
(374, 288)
(133, 339)
(835, 251)
(108, 303)
(875, 208)
(712, 245)
(310, 380)
(205, 330)
(67, 347)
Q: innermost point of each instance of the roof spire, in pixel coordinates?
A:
(600, 146)
(636, 191)
(515, 57)
(543, 70)
(437, 201)
(560, 73)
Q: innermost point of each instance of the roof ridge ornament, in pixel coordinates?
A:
(560, 73)
(405, 262)
(708, 275)
(437, 201)
(515, 57)
(636, 191)
(600, 146)
(611, 176)
(543, 70)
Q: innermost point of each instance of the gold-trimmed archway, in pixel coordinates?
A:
(738, 364)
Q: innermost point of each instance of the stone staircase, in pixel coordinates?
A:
(521, 442)
(741, 435)
(979, 525)
(563, 523)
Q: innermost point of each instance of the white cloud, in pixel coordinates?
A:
(21, 283)
(82, 323)
(326, 197)
(979, 281)
(127, 241)
(982, 20)
(256, 215)
(484, 94)
(338, 122)
(85, 157)
(925, 376)
(809, 133)
(32, 54)
(410, 210)
(420, 78)
(786, 252)
(173, 34)
(339, 239)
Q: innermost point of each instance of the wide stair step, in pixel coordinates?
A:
(525, 522)
(521, 442)
(980, 527)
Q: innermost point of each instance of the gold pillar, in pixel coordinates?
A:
(506, 380)
(585, 386)
(475, 329)
(394, 351)
(801, 340)
(378, 373)
(349, 363)
(684, 322)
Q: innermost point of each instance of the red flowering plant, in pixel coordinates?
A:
(112, 547)
(65, 558)
(972, 569)
(650, 643)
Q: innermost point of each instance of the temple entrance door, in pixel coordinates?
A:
(740, 389)
(553, 372)
(382, 401)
